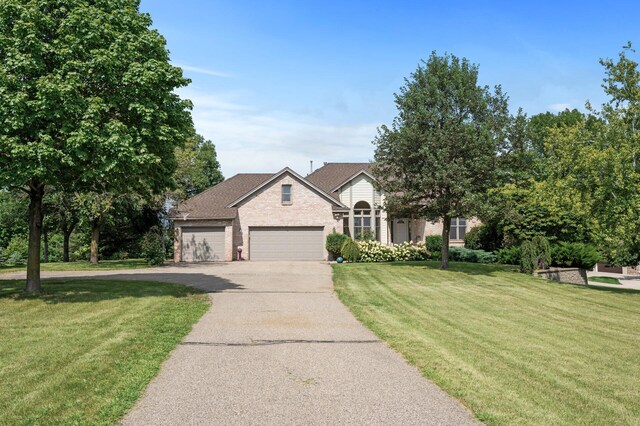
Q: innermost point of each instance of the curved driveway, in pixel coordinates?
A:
(278, 347)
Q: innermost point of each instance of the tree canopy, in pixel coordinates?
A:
(440, 153)
(87, 102)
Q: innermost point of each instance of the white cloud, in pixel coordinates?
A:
(248, 140)
(559, 107)
(206, 71)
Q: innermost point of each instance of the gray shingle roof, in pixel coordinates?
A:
(329, 176)
(212, 203)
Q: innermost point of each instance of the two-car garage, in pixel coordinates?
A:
(286, 243)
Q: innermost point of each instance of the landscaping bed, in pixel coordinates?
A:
(513, 348)
(83, 352)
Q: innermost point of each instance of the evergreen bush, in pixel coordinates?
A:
(350, 250)
(152, 246)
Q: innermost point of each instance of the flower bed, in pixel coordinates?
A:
(374, 251)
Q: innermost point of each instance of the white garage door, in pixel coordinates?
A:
(202, 244)
(286, 243)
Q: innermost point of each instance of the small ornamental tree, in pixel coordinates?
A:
(440, 153)
(87, 103)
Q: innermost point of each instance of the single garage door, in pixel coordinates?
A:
(286, 243)
(202, 244)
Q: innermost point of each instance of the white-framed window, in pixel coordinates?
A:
(345, 225)
(458, 228)
(286, 194)
(361, 220)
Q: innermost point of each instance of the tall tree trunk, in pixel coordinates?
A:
(36, 194)
(95, 238)
(45, 249)
(446, 229)
(66, 237)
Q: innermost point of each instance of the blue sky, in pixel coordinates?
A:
(281, 83)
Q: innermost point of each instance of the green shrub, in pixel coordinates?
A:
(120, 255)
(17, 250)
(535, 254)
(433, 244)
(574, 255)
(509, 255)
(462, 254)
(152, 247)
(334, 243)
(350, 250)
(473, 238)
(55, 248)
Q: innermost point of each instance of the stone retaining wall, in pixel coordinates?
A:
(565, 275)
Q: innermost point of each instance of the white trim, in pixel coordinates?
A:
(353, 177)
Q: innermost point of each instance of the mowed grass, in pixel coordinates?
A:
(606, 280)
(83, 352)
(512, 348)
(104, 265)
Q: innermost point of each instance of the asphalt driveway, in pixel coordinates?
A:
(278, 347)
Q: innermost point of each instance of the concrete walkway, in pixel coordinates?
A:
(628, 282)
(278, 347)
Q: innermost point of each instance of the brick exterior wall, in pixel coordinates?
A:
(265, 208)
(423, 227)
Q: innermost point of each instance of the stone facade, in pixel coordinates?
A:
(265, 208)
(565, 275)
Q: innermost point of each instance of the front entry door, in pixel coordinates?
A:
(401, 231)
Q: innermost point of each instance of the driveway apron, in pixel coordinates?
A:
(278, 347)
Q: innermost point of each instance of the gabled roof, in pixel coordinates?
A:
(332, 176)
(304, 181)
(213, 203)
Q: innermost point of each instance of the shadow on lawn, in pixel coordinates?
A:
(459, 267)
(116, 286)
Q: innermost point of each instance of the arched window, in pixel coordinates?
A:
(362, 220)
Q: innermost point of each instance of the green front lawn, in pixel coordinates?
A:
(84, 352)
(606, 280)
(82, 266)
(512, 348)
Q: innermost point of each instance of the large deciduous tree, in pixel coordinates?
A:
(87, 102)
(440, 153)
(198, 168)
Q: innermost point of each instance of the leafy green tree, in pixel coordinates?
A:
(439, 155)
(549, 208)
(13, 214)
(198, 168)
(598, 159)
(87, 102)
